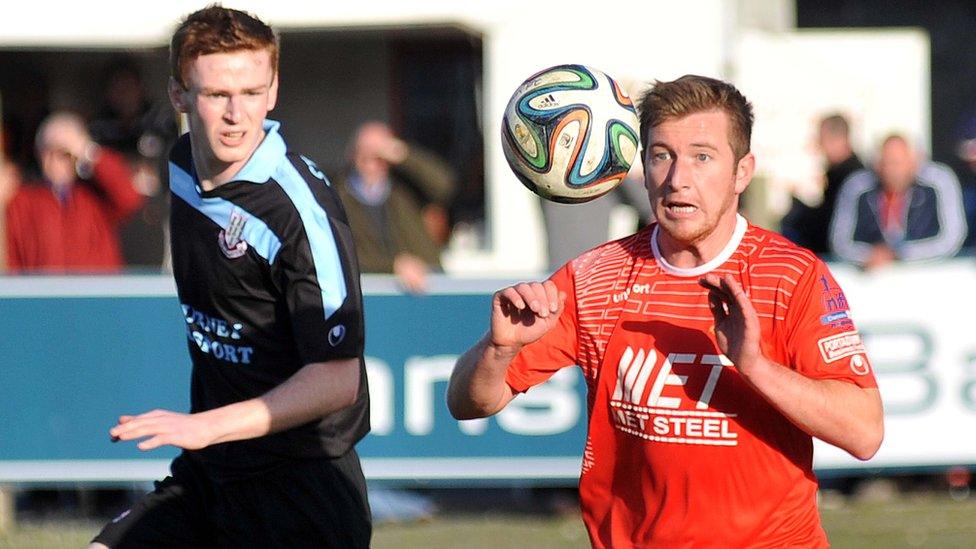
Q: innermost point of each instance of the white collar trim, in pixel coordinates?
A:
(740, 230)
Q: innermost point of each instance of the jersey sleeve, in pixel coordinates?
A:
(538, 361)
(822, 340)
(316, 272)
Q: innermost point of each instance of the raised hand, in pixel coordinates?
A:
(523, 313)
(737, 328)
(411, 272)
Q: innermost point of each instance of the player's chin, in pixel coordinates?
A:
(229, 154)
(684, 231)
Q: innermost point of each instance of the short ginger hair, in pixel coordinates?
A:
(216, 29)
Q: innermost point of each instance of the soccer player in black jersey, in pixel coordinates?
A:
(269, 289)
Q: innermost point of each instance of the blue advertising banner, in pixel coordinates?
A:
(75, 353)
(79, 352)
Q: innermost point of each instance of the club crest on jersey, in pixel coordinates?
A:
(229, 239)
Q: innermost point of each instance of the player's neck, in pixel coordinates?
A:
(698, 251)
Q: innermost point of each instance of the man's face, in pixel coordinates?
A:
(368, 153)
(692, 178)
(834, 146)
(896, 165)
(58, 166)
(228, 97)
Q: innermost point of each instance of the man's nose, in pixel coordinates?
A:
(678, 174)
(233, 111)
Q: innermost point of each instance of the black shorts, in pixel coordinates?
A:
(306, 503)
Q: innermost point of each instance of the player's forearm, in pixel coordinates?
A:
(837, 412)
(315, 391)
(477, 387)
(435, 178)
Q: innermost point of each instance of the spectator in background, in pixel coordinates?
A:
(142, 130)
(966, 151)
(809, 226)
(384, 192)
(9, 183)
(68, 221)
(903, 210)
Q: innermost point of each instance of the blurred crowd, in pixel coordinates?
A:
(900, 207)
(89, 195)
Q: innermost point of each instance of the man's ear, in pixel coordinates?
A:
(273, 93)
(744, 171)
(176, 96)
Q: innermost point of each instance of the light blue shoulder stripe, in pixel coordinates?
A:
(256, 233)
(325, 253)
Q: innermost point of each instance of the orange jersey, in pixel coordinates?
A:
(681, 451)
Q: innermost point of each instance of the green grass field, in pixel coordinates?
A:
(929, 521)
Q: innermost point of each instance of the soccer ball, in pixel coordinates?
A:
(570, 133)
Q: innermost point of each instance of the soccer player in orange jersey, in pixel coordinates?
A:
(713, 351)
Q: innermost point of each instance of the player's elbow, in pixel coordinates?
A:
(869, 441)
(347, 389)
(462, 406)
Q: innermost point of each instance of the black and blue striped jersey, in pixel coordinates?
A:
(267, 278)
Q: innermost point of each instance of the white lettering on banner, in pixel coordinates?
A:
(382, 397)
(551, 408)
(841, 345)
(420, 375)
(548, 409)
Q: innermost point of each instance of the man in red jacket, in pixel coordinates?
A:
(68, 222)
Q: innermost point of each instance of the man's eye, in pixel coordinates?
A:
(703, 157)
(661, 157)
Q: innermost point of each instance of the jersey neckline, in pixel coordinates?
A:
(740, 230)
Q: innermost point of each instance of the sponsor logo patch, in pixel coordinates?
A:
(835, 307)
(337, 334)
(832, 318)
(859, 365)
(836, 347)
